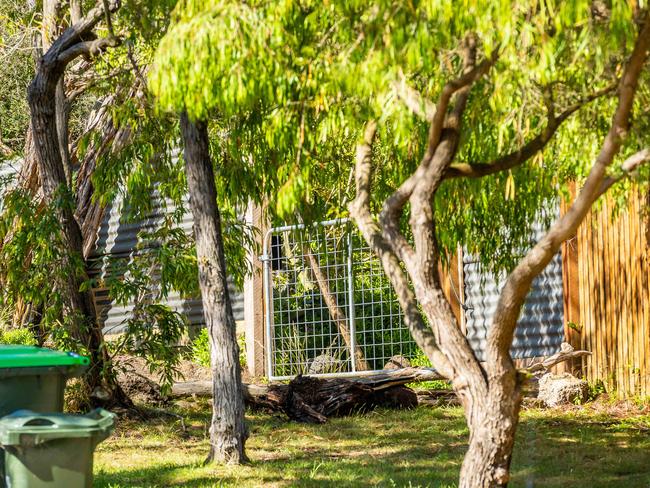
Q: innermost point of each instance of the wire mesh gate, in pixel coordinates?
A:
(329, 308)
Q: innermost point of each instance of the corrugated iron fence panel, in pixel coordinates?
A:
(614, 295)
(540, 329)
(118, 238)
(9, 168)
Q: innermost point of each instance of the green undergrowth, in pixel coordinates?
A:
(418, 448)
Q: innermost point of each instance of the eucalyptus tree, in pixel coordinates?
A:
(464, 123)
(48, 228)
(228, 431)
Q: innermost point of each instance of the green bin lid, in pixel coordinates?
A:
(14, 356)
(24, 427)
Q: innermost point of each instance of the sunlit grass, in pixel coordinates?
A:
(418, 448)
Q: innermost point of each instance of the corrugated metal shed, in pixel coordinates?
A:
(540, 329)
(118, 238)
(10, 167)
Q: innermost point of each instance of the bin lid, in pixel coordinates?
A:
(24, 427)
(15, 356)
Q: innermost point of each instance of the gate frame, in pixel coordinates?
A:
(266, 258)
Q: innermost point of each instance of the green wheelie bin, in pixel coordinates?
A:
(52, 450)
(34, 378)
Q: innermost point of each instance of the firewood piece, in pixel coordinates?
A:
(565, 353)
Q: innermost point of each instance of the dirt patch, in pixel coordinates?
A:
(143, 386)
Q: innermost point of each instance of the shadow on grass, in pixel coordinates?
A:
(423, 448)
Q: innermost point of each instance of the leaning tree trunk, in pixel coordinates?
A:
(42, 99)
(336, 313)
(228, 430)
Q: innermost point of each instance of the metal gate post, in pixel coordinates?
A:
(353, 330)
(266, 261)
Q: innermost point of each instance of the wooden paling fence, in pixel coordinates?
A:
(607, 268)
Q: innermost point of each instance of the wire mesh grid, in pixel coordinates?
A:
(330, 308)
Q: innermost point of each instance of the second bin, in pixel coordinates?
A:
(52, 450)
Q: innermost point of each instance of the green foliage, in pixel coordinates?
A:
(292, 84)
(16, 25)
(154, 332)
(596, 389)
(17, 336)
(35, 264)
(201, 349)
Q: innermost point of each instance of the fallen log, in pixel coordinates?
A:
(377, 381)
(313, 400)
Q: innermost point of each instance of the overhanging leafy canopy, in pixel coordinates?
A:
(292, 84)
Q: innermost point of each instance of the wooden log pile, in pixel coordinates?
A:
(313, 400)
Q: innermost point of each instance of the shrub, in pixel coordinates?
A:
(201, 349)
(17, 336)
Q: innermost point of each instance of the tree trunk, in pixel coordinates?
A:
(228, 430)
(492, 427)
(42, 99)
(42, 103)
(487, 460)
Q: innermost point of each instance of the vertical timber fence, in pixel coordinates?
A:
(330, 310)
(612, 295)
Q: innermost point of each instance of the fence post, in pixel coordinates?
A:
(268, 302)
(353, 330)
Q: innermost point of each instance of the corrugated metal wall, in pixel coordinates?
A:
(118, 238)
(540, 329)
(10, 168)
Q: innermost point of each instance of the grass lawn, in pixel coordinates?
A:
(423, 447)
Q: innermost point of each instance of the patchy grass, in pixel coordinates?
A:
(424, 447)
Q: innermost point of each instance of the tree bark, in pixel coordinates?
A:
(491, 441)
(42, 99)
(228, 430)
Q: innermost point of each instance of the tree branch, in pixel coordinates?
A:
(421, 106)
(520, 279)
(75, 11)
(565, 353)
(629, 167)
(393, 206)
(528, 150)
(422, 219)
(87, 48)
(470, 75)
(75, 34)
(360, 211)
